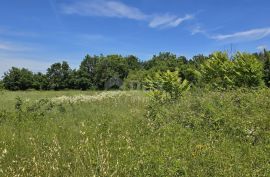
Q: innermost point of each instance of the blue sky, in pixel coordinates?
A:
(36, 33)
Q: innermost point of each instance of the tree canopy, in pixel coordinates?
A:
(216, 71)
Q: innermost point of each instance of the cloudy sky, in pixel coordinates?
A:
(36, 33)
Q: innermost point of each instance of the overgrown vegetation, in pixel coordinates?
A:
(208, 116)
(218, 71)
(204, 133)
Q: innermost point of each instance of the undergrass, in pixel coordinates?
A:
(204, 134)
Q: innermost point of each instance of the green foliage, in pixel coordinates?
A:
(217, 71)
(58, 75)
(266, 68)
(135, 80)
(87, 72)
(133, 62)
(222, 73)
(1, 85)
(110, 66)
(18, 79)
(40, 81)
(80, 80)
(165, 61)
(247, 71)
(205, 133)
(166, 86)
(193, 76)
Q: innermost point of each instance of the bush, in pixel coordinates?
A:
(217, 72)
(248, 71)
(166, 86)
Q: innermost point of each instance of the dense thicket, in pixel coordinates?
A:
(216, 71)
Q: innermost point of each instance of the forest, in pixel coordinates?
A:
(219, 70)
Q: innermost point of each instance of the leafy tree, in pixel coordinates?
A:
(266, 68)
(165, 61)
(40, 81)
(217, 71)
(135, 79)
(192, 75)
(110, 66)
(80, 80)
(18, 79)
(198, 60)
(88, 69)
(248, 70)
(58, 75)
(133, 62)
(166, 86)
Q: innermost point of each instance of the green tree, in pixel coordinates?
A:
(18, 79)
(1, 85)
(248, 70)
(80, 80)
(165, 61)
(133, 62)
(166, 86)
(40, 81)
(217, 71)
(88, 69)
(110, 66)
(135, 79)
(197, 61)
(58, 75)
(266, 68)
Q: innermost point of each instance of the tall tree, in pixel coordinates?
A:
(133, 62)
(58, 75)
(266, 68)
(88, 69)
(165, 61)
(217, 71)
(248, 70)
(18, 79)
(40, 81)
(111, 66)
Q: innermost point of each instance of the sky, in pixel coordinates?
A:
(36, 33)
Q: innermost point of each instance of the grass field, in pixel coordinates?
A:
(74, 133)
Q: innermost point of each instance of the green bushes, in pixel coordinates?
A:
(204, 133)
(220, 72)
(247, 71)
(216, 71)
(166, 86)
(18, 79)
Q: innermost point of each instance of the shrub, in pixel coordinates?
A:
(166, 86)
(247, 71)
(218, 71)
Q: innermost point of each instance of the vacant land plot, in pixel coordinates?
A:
(73, 133)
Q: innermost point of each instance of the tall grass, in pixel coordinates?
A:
(204, 134)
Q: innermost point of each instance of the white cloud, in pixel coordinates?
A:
(104, 8)
(10, 32)
(165, 21)
(196, 30)
(13, 47)
(115, 9)
(250, 35)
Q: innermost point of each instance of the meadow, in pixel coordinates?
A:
(119, 133)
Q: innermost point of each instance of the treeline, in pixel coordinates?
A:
(217, 71)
